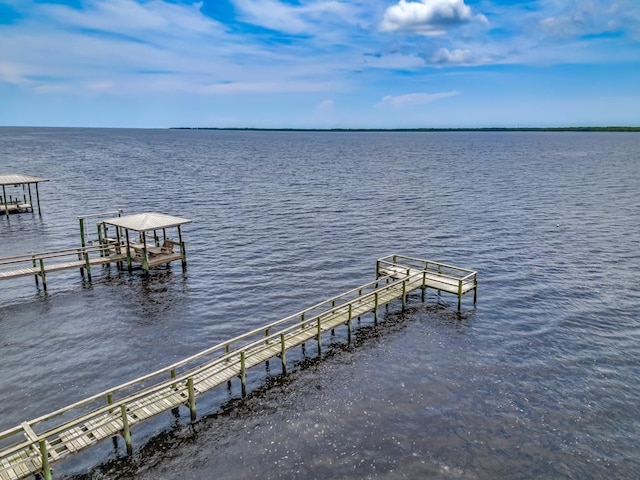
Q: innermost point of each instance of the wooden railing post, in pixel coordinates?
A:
(192, 399)
(475, 290)
(88, 263)
(404, 294)
(319, 335)
(349, 324)
(459, 293)
(43, 274)
(243, 374)
(126, 432)
(46, 469)
(375, 308)
(283, 353)
(33, 261)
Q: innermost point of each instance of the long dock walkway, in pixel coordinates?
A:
(33, 446)
(42, 263)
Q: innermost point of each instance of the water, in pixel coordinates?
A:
(539, 380)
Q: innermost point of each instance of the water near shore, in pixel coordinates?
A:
(540, 380)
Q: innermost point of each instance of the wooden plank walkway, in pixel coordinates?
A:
(41, 263)
(33, 446)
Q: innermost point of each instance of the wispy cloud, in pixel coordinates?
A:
(413, 99)
(306, 18)
(325, 106)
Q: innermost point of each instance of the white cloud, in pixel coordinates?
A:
(394, 61)
(131, 17)
(101, 85)
(413, 99)
(427, 17)
(266, 87)
(588, 17)
(325, 106)
(294, 19)
(13, 73)
(454, 57)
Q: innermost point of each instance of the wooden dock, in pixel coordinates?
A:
(440, 276)
(21, 201)
(33, 446)
(152, 248)
(41, 264)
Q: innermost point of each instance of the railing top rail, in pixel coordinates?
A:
(101, 214)
(28, 257)
(389, 259)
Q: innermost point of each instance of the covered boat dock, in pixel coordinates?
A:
(146, 240)
(21, 199)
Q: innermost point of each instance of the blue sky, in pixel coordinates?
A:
(319, 63)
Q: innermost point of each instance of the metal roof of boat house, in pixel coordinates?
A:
(18, 179)
(143, 222)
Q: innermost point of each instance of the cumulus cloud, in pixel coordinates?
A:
(445, 56)
(413, 99)
(427, 17)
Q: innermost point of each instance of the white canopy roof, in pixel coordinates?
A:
(143, 222)
(18, 179)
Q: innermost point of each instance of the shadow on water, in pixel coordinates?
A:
(271, 391)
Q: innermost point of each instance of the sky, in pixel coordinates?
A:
(319, 63)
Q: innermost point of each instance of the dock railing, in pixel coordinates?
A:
(39, 264)
(437, 275)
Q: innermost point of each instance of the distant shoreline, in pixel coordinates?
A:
(487, 129)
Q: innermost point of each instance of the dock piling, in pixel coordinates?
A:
(283, 353)
(46, 469)
(192, 399)
(126, 432)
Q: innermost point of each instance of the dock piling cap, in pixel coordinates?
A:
(143, 222)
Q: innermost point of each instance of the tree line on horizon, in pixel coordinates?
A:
(462, 129)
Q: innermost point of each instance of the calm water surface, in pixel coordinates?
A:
(540, 380)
